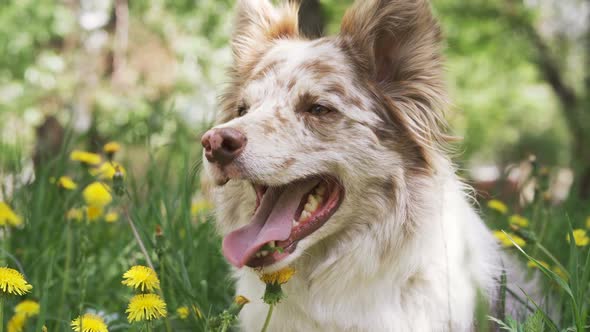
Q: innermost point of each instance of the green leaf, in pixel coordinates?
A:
(534, 323)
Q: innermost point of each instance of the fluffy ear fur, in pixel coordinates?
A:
(257, 24)
(396, 44)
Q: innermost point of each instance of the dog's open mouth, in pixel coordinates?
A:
(284, 215)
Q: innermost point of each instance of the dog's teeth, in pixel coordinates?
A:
(272, 244)
(314, 202)
(258, 255)
(304, 215)
(264, 253)
(295, 223)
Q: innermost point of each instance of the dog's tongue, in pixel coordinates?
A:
(271, 222)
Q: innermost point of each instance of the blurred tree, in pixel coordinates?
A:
(554, 53)
(574, 100)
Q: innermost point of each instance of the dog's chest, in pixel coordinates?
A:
(351, 309)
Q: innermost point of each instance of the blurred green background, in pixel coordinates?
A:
(136, 71)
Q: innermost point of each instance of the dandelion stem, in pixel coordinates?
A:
(6, 245)
(1, 314)
(68, 263)
(162, 280)
(139, 241)
(268, 316)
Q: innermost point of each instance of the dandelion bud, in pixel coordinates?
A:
(241, 300)
(160, 242)
(111, 148)
(118, 182)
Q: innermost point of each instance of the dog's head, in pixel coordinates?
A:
(316, 137)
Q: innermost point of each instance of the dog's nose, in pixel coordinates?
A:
(223, 145)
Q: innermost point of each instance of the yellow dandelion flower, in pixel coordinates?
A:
(89, 323)
(141, 277)
(111, 148)
(279, 277)
(75, 214)
(532, 264)
(28, 308)
(67, 183)
(84, 157)
(505, 239)
(16, 323)
(111, 217)
(183, 312)
(581, 238)
(200, 206)
(8, 217)
(498, 205)
(108, 170)
(588, 222)
(97, 194)
(146, 307)
(518, 220)
(12, 282)
(93, 212)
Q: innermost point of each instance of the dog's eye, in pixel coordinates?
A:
(318, 110)
(242, 110)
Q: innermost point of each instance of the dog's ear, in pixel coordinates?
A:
(258, 23)
(397, 45)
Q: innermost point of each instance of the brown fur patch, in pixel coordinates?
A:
(395, 133)
(325, 125)
(268, 128)
(338, 90)
(281, 118)
(291, 84)
(356, 102)
(288, 163)
(304, 102)
(318, 68)
(286, 27)
(269, 68)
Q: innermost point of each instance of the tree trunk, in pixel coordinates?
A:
(311, 18)
(574, 105)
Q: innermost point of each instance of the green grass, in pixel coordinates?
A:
(77, 266)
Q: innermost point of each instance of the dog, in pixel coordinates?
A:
(331, 156)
